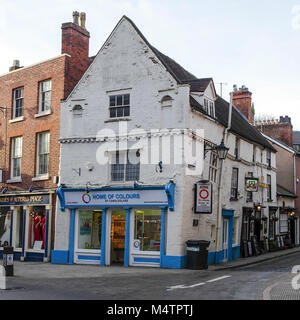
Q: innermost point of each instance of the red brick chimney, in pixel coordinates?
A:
(242, 99)
(281, 130)
(75, 42)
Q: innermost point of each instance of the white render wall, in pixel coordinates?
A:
(126, 65)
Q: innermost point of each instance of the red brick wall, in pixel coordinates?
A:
(282, 131)
(75, 42)
(29, 78)
(242, 100)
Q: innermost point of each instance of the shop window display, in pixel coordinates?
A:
(5, 220)
(147, 230)
(37, 226)
(89, 233)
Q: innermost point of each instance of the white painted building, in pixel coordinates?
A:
(143, 213)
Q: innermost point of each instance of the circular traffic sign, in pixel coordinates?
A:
(203, 194)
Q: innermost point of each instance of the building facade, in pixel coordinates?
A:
(29, 153)
(128, 189)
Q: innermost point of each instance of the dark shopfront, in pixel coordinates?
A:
(289, 225)
(25, 224)
(257, 230)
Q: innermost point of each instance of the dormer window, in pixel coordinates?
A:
(209, 107)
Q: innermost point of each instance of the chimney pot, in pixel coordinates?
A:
(82, 19)
(75, 17)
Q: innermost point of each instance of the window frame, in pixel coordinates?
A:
(269, 159)
(41, 96)
(125, 164)
(18, 157)
(38, 137)
(213, 167)
(118, 107)
(15, 108)
(283, 214)
(269, 190)
(234, 184)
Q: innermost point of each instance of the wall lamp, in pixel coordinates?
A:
(3, 109)
(221, 150)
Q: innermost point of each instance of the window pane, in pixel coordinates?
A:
(126, 99)
(112, 101)
(126, 111)
(4, 226)
(89, 233)
(36, 225)
(147, 229)
(117, 172)
(120, 112)
(113, 112)
(119, 101)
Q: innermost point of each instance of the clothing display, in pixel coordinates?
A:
(36, 228)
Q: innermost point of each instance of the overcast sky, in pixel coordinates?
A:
(250, 42)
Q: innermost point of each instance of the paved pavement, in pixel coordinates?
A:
(265, 277)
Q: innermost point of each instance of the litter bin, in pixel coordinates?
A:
(197, 254)
(8, 260)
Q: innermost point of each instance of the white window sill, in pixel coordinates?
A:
(40, 178)
(14, 180)
(43, 113)
(16, 119)
(117, 119)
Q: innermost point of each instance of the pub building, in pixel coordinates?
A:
(25, 224)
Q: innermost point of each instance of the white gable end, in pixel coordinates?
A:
(124, 65)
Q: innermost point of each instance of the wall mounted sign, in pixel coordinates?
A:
(117, 198)
(24, 200)
(251, 184)
(263, 185)
(203, 198)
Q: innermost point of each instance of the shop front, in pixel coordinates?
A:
(124, 226)
(25, 224)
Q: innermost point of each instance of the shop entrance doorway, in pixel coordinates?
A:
(292, 230)
(117, 236)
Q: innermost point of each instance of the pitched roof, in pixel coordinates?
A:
(239, 124)
(199, 85)
(281, 191)
(177, 71)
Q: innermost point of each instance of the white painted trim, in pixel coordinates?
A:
(18, 119)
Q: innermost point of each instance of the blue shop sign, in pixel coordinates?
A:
(162, 196)
(24, 200)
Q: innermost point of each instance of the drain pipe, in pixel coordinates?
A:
(219, 211)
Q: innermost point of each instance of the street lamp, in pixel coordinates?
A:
(221, 149)
(3, 109)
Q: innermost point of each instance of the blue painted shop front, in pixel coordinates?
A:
(18, 216)
(229, 252)
(98, 214)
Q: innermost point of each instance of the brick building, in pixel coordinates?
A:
(29, 150)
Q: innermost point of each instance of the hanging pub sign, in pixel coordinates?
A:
(203, 198)
(252, 184)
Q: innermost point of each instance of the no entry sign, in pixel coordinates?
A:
(203, 198)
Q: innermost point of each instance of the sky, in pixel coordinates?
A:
(255, 43)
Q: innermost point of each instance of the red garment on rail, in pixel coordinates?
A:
(36, 228)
